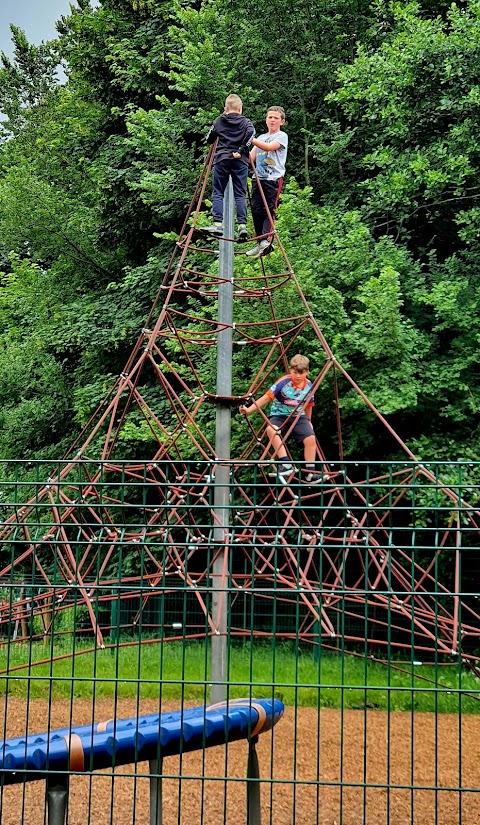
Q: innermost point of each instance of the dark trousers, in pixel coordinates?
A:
(221, 172)
(271, 191)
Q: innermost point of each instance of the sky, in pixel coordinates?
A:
(36, 17)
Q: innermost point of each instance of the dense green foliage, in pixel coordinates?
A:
(380, 218)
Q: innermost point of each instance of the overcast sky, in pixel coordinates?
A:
(36, 17)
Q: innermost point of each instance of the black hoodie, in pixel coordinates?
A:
(234, 133)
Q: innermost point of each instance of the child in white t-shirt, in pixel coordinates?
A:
(269, 155)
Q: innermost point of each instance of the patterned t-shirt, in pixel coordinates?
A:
(287, 398)
(271, 165)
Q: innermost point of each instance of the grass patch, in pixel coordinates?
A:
(183, 670)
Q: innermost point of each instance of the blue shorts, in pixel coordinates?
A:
(301, 430)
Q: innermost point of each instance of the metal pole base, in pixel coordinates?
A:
(254, 815)
(57, 799)
(155, 768)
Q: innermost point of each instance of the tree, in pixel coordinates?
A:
(25, 80)
(96, 173)
(410, 131)
(412, 155)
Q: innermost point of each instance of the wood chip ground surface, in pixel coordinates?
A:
(320, 763)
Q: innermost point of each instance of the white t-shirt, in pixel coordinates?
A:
(271, 165)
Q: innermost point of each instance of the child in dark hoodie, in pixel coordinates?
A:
(234, 133)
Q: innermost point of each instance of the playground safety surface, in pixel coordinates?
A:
(344, 750)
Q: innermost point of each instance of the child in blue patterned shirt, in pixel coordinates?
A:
(292, 403)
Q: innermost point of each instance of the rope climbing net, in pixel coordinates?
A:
(349, 547)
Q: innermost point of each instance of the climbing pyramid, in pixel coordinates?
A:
(347, 561)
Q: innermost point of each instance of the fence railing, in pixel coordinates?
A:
(353, 602)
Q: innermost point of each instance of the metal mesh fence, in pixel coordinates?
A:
(349, 617)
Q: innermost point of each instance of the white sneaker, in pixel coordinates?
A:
(283, 471)
(313, 478)
(254, 252)
(215, 229)
(260, 249)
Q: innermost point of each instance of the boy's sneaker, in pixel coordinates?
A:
(313, 478)
(216, 229)
(259, 249)
(283, 471)
(242, 233)
(265, 248)
(254, 252)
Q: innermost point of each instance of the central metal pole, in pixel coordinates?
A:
(221, 497)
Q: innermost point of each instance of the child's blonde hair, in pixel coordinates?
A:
(233, 103)
(277, 109)
(299, 362)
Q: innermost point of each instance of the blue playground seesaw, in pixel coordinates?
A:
(55, 755)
